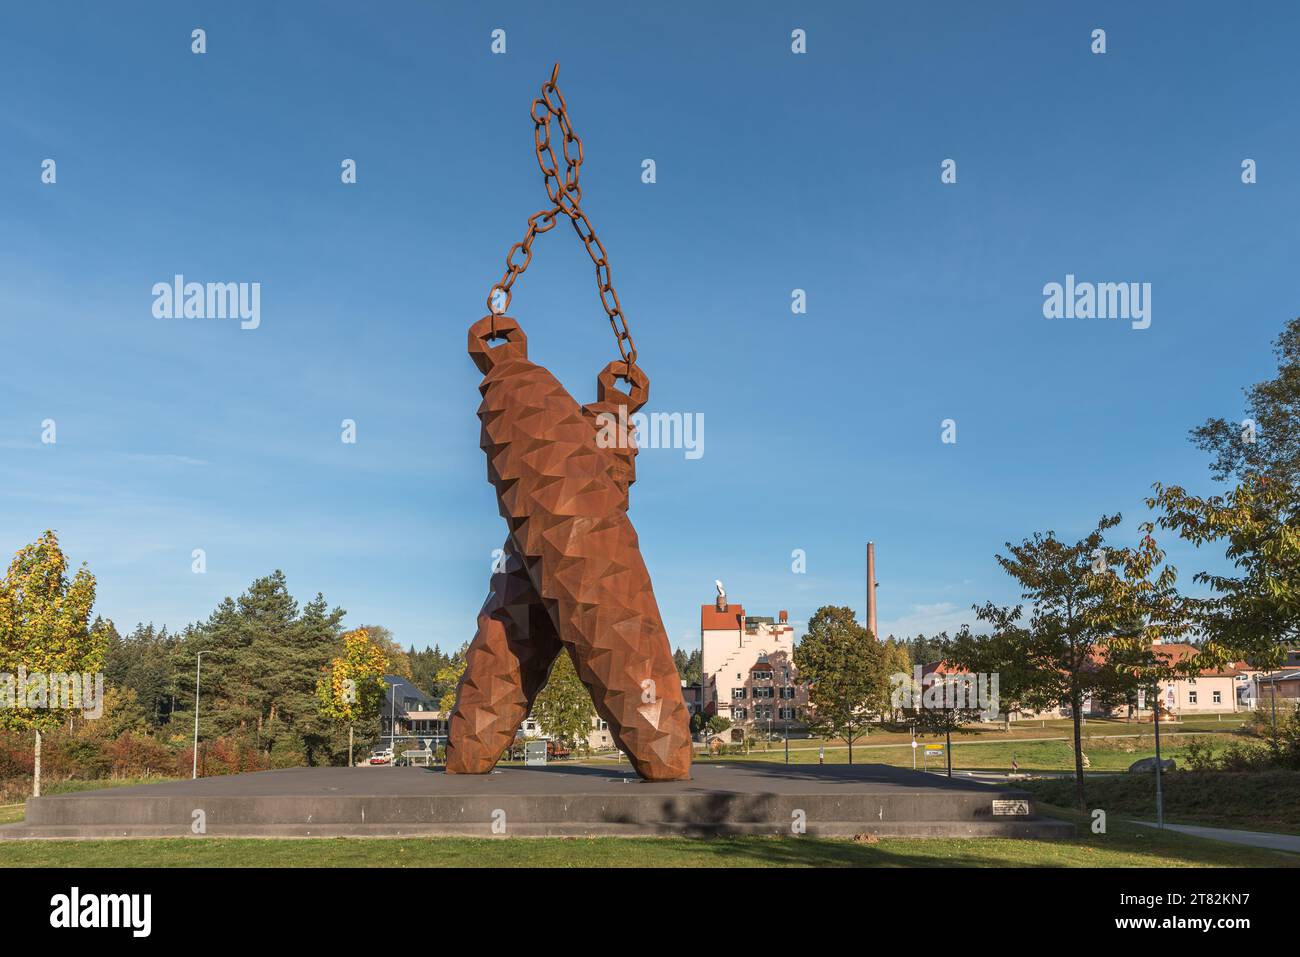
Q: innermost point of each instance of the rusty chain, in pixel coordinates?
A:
(566, 197)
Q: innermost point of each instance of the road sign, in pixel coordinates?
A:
(934, 749)
(534, 753)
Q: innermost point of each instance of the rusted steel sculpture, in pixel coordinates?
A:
(572, 578)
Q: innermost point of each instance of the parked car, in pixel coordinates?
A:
(384, 756)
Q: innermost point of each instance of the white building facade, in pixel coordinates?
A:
(748, 667)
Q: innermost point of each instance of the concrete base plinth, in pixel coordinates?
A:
(560, 800)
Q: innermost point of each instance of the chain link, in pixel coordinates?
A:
(566, 198)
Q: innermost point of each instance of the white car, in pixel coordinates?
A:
(382, 757)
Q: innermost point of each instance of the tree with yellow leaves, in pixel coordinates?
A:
(449, 678)
(48, 649)
(352, 688)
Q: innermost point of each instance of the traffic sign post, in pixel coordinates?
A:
(936, 750)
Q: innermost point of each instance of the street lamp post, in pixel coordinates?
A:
(1160, 797)
(1272, 697)
(704, 727)
(392, 726)
(198, 672)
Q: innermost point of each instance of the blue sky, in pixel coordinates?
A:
(775, 171)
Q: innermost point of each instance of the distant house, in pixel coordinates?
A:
(410, 719)
(1283, 684)
(1209, 691)
(1257, 686)
(598, 738)
(691, 694)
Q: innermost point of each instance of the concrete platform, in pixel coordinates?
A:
(560, 800)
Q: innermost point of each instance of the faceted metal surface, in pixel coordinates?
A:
(574, 576)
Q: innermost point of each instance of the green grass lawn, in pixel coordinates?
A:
(1047, 728)
(1246, 800)
(974, 753)
(1124, 846)
(1110, 743)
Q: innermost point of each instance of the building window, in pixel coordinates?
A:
(1191, 697)
(788, 693)
(739, 713)
(738, 693)
(786, 714)
(1218, 697)
(762, 676)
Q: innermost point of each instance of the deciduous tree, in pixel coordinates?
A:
(352, 688)
(845, 667)
(45, 631)
(449, 682)
(1254, 612)
(1077, 607)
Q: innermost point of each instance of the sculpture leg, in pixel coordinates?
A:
(610, 623)
(505, 667)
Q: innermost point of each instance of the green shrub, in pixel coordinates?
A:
(1198, 755)
(1238, 756)
(86, 759)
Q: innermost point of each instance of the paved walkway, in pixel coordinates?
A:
(1275, 842)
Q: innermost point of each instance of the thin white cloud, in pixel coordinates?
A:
(929, 620)
(165, 458)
